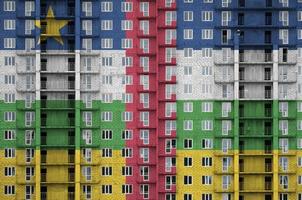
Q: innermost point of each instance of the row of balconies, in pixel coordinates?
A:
(256, 57)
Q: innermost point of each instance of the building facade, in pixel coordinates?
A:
(151, 99)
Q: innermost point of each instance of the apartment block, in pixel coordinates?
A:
(151, 99)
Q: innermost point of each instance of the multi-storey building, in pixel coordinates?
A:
(151, 99)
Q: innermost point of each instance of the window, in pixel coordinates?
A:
(207, 1)
(86, 171)
(144, 136)
(107, 43)
(226, 109)
(226, 163)
(126, 152)
(107, 98)
(188, 143)
(226, 181)
(87, 154)
(9, 98)
(283, 145)
(299, 34)
(299, 162)
(106, 6)
(207, 106)
(188, 52)
(9, 116)
(225, 18)
(206, 161)
(9, 152)
(226, 144)
(107, 80)
(188, 70)
(29, 118)
(207, 15)
(127, 116)
(127, 43)
(106, 134)
(29, 137)
(29, 26)
(127, 134)
(299, 106)
(29, 7)
(87, 136)
(87, 8)
(188, 180)
(144, 154)
(207, 143)
(206, 52)
(87, 118)
(188, 106)
(127, 189)
(87, 44)
(127, 97)
(127, 61)
(207, 34)
(206, 125)
(9, 61)
(170, 17)
(9, 189)
(188, 125)
(188, 161)
(127, 7)
(283, 36)
(206, 70)
(188, 88)
(299, 143)
(126, 24)
(9, 6)
(106, 189)
(9, 43)
(106, 116)
(144, 8)
(9, 135)
(144, 118)
(127, 171)
(87, 191)
(87, 26)
(106, 171)
(299, 17)
(283, 127)
(9, 171)
(188, 197)
(144, 26)
(226, 126)
(188, 34)
(106, 153)
(188, 15)
(106, 25)
(9, 24)
(206, 180)
(144, 99)
(283, 17)
(283, 181)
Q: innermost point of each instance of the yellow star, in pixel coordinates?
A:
(50, 27)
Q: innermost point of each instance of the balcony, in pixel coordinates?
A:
(43, 195)
(57, 104)
(71, 195)
(268, 185)
(43, 177)
(57, 86)
(251, 58)
(71, 177)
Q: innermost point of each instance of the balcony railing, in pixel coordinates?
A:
(43, 195)
(71, 195)
(43, 158)
(57, 85)
(71, 177)
(43, 177)
(268, 167)
(268, 185)
(267, 149)
(71, 158)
